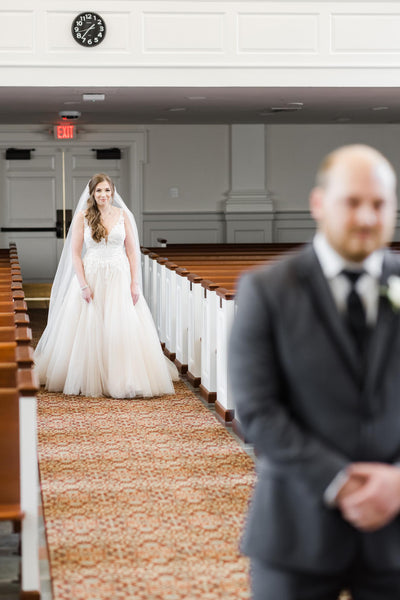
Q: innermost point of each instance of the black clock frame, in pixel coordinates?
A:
(90, 41)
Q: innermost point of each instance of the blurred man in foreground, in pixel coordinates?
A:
(315, 371)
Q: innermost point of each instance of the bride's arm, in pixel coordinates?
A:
(130, 253)
(76, 249)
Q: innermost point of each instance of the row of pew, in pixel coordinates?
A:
(19, 482)
(190, 289)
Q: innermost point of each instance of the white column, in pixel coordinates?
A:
(248, 207)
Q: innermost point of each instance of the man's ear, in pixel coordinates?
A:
(316, 202)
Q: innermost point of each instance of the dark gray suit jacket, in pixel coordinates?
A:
(310, 407)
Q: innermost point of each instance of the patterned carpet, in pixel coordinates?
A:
(142, 499)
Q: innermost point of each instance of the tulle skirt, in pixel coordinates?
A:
(108, 347)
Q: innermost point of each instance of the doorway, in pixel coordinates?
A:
(34, 192)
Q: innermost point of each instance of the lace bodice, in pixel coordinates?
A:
(108, 251)
(115, 239)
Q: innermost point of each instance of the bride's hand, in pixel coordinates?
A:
(135, 292)
(87, 294)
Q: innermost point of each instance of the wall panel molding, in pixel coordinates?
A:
(277, 32)
(218, 227)
(211, 227)
(375, 33)
(17, 31)
(182, 32)
(183, 227)
(58, 35)
(293, 226)
(205, 42)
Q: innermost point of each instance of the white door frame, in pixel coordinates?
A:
(132, 142)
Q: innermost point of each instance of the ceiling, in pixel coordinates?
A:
(164, 105)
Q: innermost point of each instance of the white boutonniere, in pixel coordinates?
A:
(392, 292)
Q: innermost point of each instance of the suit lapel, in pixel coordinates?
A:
(311, 273)
(384, 331)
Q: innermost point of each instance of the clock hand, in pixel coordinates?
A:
(87, 31)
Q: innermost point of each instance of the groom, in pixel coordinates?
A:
(315, 372)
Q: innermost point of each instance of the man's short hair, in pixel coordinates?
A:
(322, 176)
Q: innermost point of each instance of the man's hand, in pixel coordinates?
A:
(373, 497)
(351, 485)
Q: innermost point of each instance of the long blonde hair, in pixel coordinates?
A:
(92, 213)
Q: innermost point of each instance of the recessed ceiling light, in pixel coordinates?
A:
(380, 108)
(93, 97)
(196, 97)
(177, 109)
(299, 104)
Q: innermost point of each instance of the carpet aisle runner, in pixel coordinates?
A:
(143, 499)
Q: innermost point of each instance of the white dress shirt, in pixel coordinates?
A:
(367, 287)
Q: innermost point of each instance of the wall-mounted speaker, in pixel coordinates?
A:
(108, 153)
(19, 153)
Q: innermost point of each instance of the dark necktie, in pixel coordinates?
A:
(355, 316)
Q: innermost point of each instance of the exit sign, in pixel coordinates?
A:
(64, 132)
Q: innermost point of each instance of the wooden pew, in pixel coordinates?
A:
(21, 335)
(13, 306)
(17, 319)
(10, 492)
(18, 446)
(196, 286)
(8, 374)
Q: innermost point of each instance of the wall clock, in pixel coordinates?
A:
(88, 29)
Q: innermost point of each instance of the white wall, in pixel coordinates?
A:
(203, 43)
(293, 154)
(194, 159)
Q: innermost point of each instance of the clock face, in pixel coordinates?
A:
(88, 29)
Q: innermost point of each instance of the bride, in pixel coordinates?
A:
(100, 338)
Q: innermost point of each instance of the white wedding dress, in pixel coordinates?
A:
(109, 346)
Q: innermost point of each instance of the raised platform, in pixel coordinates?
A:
(37, 295)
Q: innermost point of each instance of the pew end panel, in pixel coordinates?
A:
(161, 293)
(182, 306)
(225, 314)
(29, 474)
(208, 386)
(10, 493)
(168, 325)
(194, 330)
(19, 478)
(11, 319)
